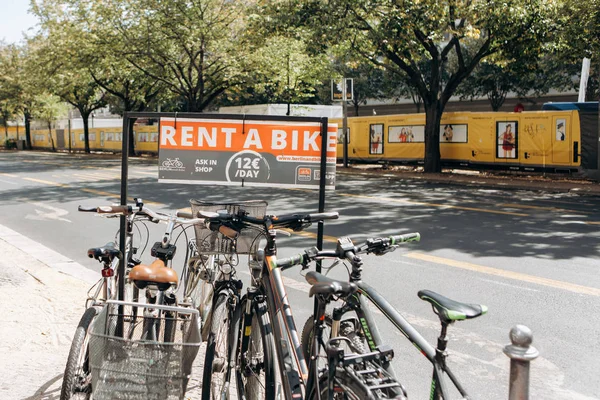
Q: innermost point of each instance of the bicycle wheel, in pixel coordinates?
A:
(77, 379)
(256, 370)
(348, 328)
(215, 361)
(349, 381)
(345, 387)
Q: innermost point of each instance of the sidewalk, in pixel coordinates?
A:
(554, 183)
(42, 298)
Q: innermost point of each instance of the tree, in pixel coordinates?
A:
(61, 63)
(130, 87)
(579, 38)
(369, 81)
(283, 71)
(50, 108)
(495, 80)
(400, 35)
(19, 84)
(195, 48)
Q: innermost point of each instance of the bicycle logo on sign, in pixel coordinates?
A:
(172, 164)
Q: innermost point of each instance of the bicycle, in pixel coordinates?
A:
(212, 286)
(448, 311)
(77, 375)
(77, 380)
(266, 323)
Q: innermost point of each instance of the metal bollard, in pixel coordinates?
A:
(521, 353)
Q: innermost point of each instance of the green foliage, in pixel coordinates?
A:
(196, 49)
(19, 84)
(415, 39)
(578, 37)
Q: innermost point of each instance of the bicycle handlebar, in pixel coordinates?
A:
(231, 225)
(179, 217)
(347, 250)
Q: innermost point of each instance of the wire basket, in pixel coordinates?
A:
(146, 355)
(210, 242)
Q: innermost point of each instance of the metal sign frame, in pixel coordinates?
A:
(127, 120)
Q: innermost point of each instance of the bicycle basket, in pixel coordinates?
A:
(143, 356)
(210, 242)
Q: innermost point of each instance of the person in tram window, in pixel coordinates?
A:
(448, 133)
(560, 131)
(507, 139)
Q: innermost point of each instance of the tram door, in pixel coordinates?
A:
(507, 141)
(562, 140)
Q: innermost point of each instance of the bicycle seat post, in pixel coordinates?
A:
(442, 341)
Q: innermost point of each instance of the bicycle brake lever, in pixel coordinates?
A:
(385, 251)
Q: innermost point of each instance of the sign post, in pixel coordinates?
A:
(343, 90)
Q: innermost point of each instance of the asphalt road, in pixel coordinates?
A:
(530, 256)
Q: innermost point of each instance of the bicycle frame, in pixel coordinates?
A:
(358, 304)
(291, 362)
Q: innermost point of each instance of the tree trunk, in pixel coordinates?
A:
(131, 134)
(27, 116)
(86, 131)
(50, 136)
(496, 99)
(433, 115)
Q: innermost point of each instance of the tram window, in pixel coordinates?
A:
(453, 133)
(376, 139)
(507, 135)
(561, 129)
(406, 134)
(340, 139)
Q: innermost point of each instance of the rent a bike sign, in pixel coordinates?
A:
(248, 152)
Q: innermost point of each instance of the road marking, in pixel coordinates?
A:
(313, 235)
(509, 285)
(48, 212)
(118, 196)
(571, 287)
(419, 203)
(510, 205)
(45, 162)
(592, 222)
(46, 182)
(155, 173)
(98, 176)
(9, 175)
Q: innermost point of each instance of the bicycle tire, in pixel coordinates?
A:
(259, 357)
(349, 390)
(357, 344)
(215, 361)
(347, 329)
(77, 377)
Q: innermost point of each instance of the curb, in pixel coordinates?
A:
(47, 256)
(498, 183)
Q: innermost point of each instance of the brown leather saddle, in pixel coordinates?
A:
(156, 275)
